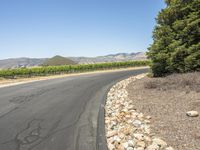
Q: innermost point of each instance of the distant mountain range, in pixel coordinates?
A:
(110, 58)
(20, 62)
(59, 60)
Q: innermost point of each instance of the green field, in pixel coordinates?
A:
(54, 70)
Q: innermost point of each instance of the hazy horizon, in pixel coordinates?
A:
(68, 56)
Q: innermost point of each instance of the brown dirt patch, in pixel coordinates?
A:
(167, 100)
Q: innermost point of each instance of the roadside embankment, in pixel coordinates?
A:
(127, 128)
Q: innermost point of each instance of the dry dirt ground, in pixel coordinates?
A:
(167, 100)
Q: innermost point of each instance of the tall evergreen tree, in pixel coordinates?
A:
(176, 46)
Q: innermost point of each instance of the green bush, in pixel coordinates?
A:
(176, 46)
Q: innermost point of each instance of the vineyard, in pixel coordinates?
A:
(54, 70)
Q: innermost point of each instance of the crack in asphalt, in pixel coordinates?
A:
(12, 110)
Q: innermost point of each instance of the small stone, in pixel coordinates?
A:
(111, 133)
(192, 114)
(116, 144)
(141, 144)
(140, 116)
(160, 142)
(153, 147)
(120, 147)
(107, 121)
(131, 143)
(148, 117)
(169, 148)
(137, 123)
(111, 146)
(121, 135)
(147, 121)
(116, 138)
(130, 148)
(140, 148)
(147, 139)
(147, 130)
(139, 136)
(127, 131)
(125, 145)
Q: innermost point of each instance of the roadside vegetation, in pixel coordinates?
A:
(176, 46)
(55, 70)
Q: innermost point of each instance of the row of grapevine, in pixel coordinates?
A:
(53, 70)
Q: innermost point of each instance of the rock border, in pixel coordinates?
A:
(126, 128)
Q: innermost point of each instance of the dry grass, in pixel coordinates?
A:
(187, 82)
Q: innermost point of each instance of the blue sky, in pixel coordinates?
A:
(44, 28)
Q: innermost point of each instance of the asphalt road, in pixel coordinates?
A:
(56, 114)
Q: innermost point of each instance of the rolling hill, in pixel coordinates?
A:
(58, 61)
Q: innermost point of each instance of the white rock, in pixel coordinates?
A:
(139, 136)
(140, 115)
(147, 130)
(141, 144)
(147, 121)
(111, 133)
(147, 139)
(192, 114)
(169, 148)
(137, 123)
(148, 117)
(153, 147)
(130, 148)
(125, 145)
(160, 142)
(111, 146)
(116, 138)
(131, 143)
(140, 148)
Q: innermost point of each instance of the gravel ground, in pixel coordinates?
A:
(167, 100)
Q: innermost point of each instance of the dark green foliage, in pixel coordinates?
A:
(53, 70)
(176, 46)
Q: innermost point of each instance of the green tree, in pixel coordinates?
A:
(176, 46)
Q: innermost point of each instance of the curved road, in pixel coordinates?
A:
(56, 114)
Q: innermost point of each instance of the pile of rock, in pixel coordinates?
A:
(127, 129)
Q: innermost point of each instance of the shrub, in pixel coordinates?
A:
(176, 46)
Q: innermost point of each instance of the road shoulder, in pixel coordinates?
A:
(126, 127)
